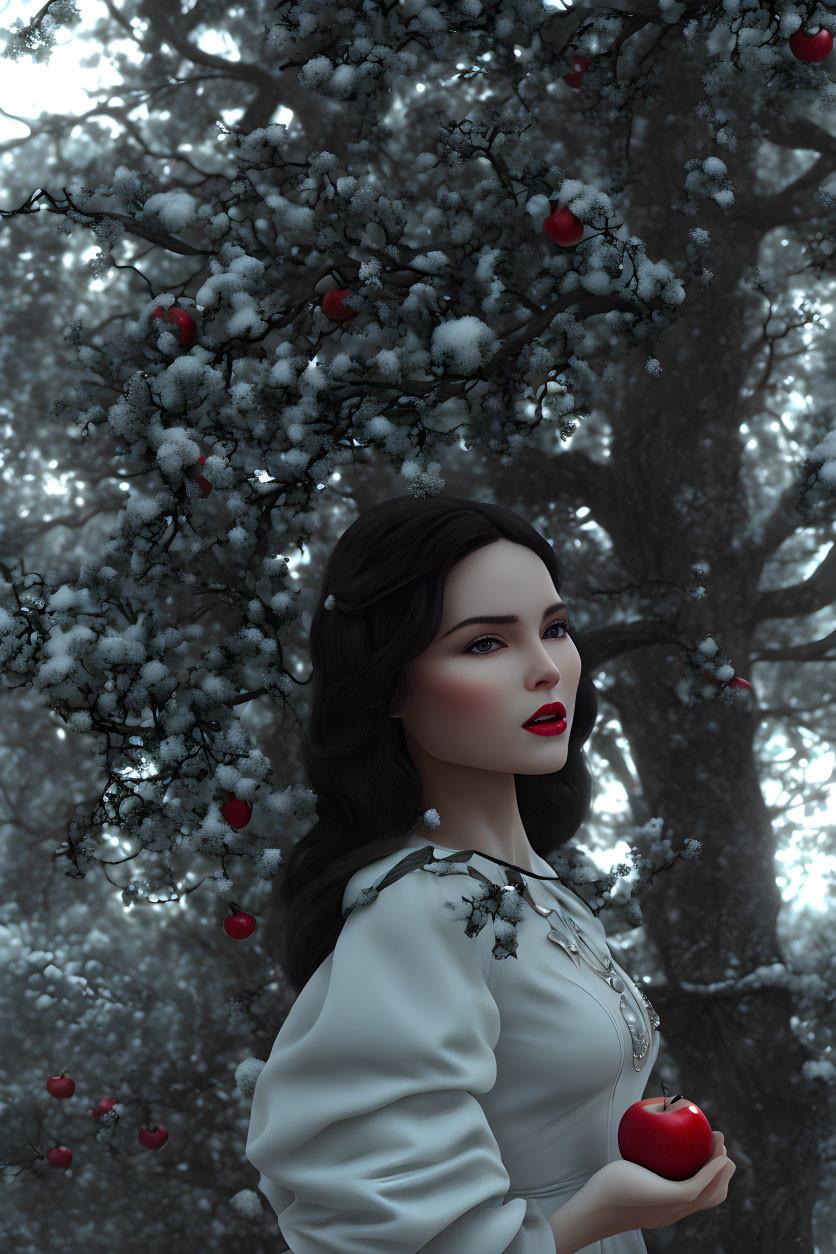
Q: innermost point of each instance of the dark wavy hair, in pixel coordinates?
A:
(386, 574)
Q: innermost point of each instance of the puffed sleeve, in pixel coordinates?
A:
(364, 1122)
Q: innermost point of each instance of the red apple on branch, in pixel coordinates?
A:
(179, 318)
(103, 1105)
(201, 480)
(332, 304)
(60, 1085)
(563, 227)
(238, 924)
(811, 47)
(59, 1156)
(737, 681)
(579, 67)
(236, 812)
(152, 1138)
(670, 1137)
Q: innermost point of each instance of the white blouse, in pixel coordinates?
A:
(444, 1093)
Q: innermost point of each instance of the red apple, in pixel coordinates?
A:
(672, 1138)
(332, 304)
(201, 480)
(579, 66)
(152, 1138)
(239, 925)
(60, 1085)
(236, 812)
(103, 1105)
(737, 681)
(563, 227)
(59, 1156)
(811, 47)
(180, 318)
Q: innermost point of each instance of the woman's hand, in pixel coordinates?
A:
(628, 1196)
(717, 1188)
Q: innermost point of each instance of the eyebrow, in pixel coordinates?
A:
(500, 618)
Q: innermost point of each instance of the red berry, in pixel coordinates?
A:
(60, 1086)
(153, 1138)
(237, 813)
(179, 317)
(811, 47)
(59, 1156)
(332, 304)
(239, 926)
(201, 480)
(579, 66)
(103, 1105)
(563, 227)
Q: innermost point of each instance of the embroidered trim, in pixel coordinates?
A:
(502, 903)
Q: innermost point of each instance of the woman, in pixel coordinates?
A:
(425, 1094)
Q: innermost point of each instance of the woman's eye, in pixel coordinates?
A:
(471, 648)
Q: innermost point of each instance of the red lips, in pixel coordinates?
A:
(555, 708)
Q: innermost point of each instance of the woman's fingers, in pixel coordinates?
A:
(717, 1188)
(708, 1175)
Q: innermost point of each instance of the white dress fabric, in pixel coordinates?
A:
(424, 1096)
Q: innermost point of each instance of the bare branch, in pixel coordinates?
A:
(815, 593)
(168, 27)
(573, 478)
(782, 523)
(606, 643)
(812, 651)
(26, 532)
(771, 211)
(787, 711)
(247, 696)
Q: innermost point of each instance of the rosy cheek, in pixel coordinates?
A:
(465, 698)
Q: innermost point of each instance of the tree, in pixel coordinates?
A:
(167, 634)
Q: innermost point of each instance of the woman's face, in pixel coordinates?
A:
(467, 701)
